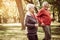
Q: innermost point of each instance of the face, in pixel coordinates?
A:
(47, 6)
(32, 9)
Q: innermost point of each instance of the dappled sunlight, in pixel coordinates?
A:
(9, 11)
(12, 13)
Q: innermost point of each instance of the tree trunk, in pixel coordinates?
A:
(40, 2)
(58, 4)
(59, 16)
(21, 12)
(0, 3)
(30, 1)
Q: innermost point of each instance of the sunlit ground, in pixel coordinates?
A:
(13, 31)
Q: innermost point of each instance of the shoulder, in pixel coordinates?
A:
(41, 10)
(28, 14)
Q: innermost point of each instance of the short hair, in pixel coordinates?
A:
(29, 6)
(44, 3)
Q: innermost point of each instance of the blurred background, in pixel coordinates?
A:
(12, 14)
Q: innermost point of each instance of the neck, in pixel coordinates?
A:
(31, 12)
(45, 8)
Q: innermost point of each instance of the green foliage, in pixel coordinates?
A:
(56, 4)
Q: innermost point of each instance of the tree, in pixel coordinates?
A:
(21, 12)
(31, 1)
(0, 3)
(58, 7)
(56, 3)
(0, 7)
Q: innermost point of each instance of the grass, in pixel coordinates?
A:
(15, 33)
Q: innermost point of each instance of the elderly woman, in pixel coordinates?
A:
(31, 23)
(45, 20)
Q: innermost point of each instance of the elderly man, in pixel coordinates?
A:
(44, 19)
(31, 23)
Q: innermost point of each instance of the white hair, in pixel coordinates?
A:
(44, 3)
(29, 6)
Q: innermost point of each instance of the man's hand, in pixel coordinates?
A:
(53, 19)
(42, 24)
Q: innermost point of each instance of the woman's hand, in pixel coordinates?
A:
(36, 24)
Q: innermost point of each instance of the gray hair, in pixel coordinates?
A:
(44, 3)
(29, 6)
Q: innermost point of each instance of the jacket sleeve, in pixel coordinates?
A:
(27, 22)
(39, 16)
(40, 12)
(33, 20)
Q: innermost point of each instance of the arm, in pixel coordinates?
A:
(32, 20)
(27, 22)
(52, 19)
(39, 16)
(40, 13)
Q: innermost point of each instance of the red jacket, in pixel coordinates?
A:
(43, 16)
